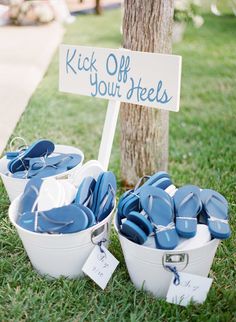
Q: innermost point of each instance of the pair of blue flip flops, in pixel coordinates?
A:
(193, 205)
(149, 209)
(93, 202)
(98, 195)
(171, 217)
(35, 161)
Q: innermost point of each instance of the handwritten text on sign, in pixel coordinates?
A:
(147, 79)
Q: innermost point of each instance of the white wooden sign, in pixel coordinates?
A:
(147, 79)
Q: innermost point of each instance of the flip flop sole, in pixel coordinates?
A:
(133, 232)
(141, 221)
(90, 215)
(167, 239)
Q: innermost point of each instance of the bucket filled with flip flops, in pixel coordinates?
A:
(60, 221)
(164, 230)
(41, 159)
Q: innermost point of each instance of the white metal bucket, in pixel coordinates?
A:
(15, 186)
(60, 255)
(146, 266)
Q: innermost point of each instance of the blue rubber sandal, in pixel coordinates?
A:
(215, 207)
(85, 192)
(187, 207)
(152, 180)
(132, 202)
(133, 232)
(46, 167)
(29, 196)
(141, 221)
(121, 204)
(158, 205)
(107, 205)
(89, 214)
(62, 160)
(104, 195)
(63, 220)
(96, 190)
(39, 148)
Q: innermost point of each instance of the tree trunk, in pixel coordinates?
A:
(98, 8)
(147, 26)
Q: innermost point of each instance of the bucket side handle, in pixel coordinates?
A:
(179, 260)
(99, 231)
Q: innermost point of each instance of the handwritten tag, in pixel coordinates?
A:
(100, 266)
(191, 288)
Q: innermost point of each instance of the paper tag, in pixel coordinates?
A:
(191, 288)
(100, 266)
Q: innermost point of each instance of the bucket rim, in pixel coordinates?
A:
(157, 250)
(60, 175)
(33, 234)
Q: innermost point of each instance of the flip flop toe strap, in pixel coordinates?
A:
(160, 228)
(89, 200)
(151, 198)
(38, 163)
(212, 218)
(139, 183)
(35, 173)
(105, 199)
(186, 199)
(187, 218)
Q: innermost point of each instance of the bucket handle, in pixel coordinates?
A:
(174, 259)
(98, 230)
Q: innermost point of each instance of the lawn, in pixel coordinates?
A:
(202, 152)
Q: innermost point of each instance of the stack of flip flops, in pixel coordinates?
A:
(158, 215)
(57, 207)
(39, 161)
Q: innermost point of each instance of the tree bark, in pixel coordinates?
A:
(98, 8)
(147, 26)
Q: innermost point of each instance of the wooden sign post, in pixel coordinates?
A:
(120, 75)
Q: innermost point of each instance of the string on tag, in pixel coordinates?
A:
(100, 244)
(173, 270)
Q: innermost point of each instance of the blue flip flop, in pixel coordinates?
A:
(63, 220)
(39, 148)
(29, 196)
(107, 205)
(85, 192)
(133, 232)
(13, 154)
(158, 205)
(46, 167)
(141, 221)
(187, 207)
(61, 160)
(104, 194)
(151, 181)
(89, 214)
(215, 206)
(132, 202)
(96, 190)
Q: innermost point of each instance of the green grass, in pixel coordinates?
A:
(202, 152)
